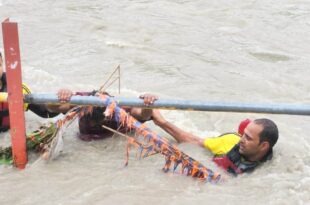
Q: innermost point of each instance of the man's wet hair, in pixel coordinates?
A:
(269, 133)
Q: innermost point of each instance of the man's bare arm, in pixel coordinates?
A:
(176, 132)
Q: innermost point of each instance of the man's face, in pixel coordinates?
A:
(249, 143)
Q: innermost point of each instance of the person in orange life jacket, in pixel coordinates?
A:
(90, 126)
(40, 110)
(234, 152)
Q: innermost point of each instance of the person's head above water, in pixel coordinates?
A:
(258, 139)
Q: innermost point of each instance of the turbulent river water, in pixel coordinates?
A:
(228, 51)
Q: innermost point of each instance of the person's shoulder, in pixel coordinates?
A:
(222, 144)
(230, 135)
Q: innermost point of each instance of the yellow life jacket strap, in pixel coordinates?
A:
(26, 90)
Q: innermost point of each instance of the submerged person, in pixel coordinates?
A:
(236, 153)
(90, 125)
(40, 110)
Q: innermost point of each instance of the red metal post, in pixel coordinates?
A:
(15, 93)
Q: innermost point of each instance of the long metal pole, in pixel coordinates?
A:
(288, 109)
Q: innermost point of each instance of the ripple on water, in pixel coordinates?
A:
(269, 57)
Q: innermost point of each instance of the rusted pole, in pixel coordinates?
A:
(15, 95)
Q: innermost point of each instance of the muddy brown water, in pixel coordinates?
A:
(240, 51)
